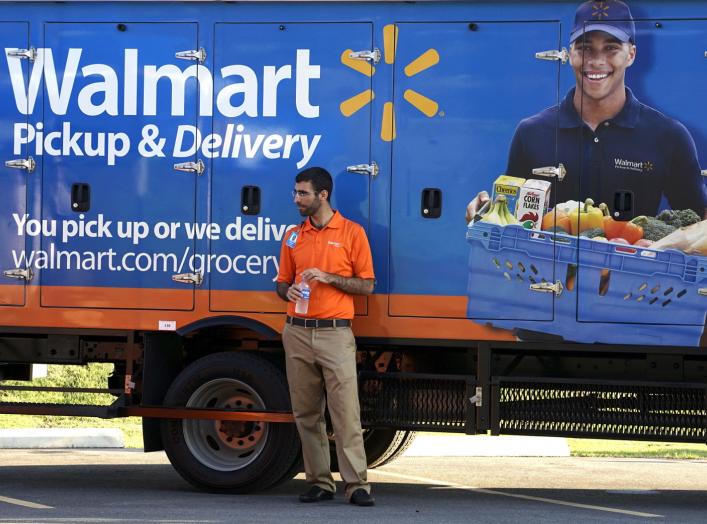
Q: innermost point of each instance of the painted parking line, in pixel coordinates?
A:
(98, 520)
(24, 503)
(557, 502)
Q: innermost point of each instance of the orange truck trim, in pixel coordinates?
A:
(132, 311)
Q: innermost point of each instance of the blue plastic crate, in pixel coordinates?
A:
(620, 294)
(503, 262)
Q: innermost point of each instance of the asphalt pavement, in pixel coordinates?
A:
(126, 486)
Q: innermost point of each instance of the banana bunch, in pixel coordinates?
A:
(499, 213)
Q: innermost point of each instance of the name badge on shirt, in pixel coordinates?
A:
(292, 240)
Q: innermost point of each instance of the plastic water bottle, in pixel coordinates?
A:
(302, 304)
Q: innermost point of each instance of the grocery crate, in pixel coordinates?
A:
(611, 293)
(503, 263)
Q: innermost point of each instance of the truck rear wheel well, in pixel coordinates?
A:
(167, 354)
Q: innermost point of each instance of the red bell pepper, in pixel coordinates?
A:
(620, 229)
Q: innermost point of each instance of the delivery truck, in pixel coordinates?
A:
(148, 153)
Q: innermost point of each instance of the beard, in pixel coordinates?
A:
(310, 210)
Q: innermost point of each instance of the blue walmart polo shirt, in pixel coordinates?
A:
(640, 151)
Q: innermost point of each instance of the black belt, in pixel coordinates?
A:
(317, 323)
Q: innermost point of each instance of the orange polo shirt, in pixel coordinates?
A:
(341, 247)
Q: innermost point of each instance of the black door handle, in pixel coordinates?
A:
(250, 200)
(623, 205)
(80, 197)
(431, 206)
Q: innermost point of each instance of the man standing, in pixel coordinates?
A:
(332, 255)
(611, 144)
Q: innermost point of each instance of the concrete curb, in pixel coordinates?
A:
(53, 438)
(425, 445)
(487, 446)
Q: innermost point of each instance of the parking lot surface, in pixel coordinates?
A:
(110, 486)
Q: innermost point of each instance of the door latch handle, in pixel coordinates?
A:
(189, 278)
(80, 197)
(22, 274)
(547, 287)
(364, 169)
(250, 200)
(373, 55)
(27, 164)
(551, 171)
(478, 398)
(431, 205)
(193, 54)
(623, 205)
(197, 167)
(23, 54)
(554, 54)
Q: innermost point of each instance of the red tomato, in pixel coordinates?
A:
(619, 240)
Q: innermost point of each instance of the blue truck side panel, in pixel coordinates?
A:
(109, 105)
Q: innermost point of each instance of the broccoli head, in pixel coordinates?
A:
(593, 232)
(653, 229)
(679, 217)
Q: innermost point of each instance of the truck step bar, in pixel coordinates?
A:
(114, 411)
(206, 414)
(64, 410)
(61, 389)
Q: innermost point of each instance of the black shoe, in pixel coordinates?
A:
(361, 497)
(316, 494)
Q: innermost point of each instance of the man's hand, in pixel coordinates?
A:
(294, 293)
(351, 285)
(317, 274)
(475, 205)
(287, 292)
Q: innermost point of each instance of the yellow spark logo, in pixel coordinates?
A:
(426, 106)
(600, 10)
(648, 166)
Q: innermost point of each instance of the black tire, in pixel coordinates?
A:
(233, 457)
(382, 446)
(385, 445)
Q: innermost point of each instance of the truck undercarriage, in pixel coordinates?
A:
(223, 414)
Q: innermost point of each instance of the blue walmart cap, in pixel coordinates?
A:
(611, 16)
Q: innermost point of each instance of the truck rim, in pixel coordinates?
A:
(225, 445)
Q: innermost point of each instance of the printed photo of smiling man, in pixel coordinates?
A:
(609, 142)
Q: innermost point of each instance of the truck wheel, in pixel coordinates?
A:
(382, 446)
(385, 445)
(230, 456)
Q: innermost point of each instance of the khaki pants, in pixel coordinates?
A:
(319, 358)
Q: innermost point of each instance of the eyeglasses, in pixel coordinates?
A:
(302, 194)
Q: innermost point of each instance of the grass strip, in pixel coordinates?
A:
(635, 449)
